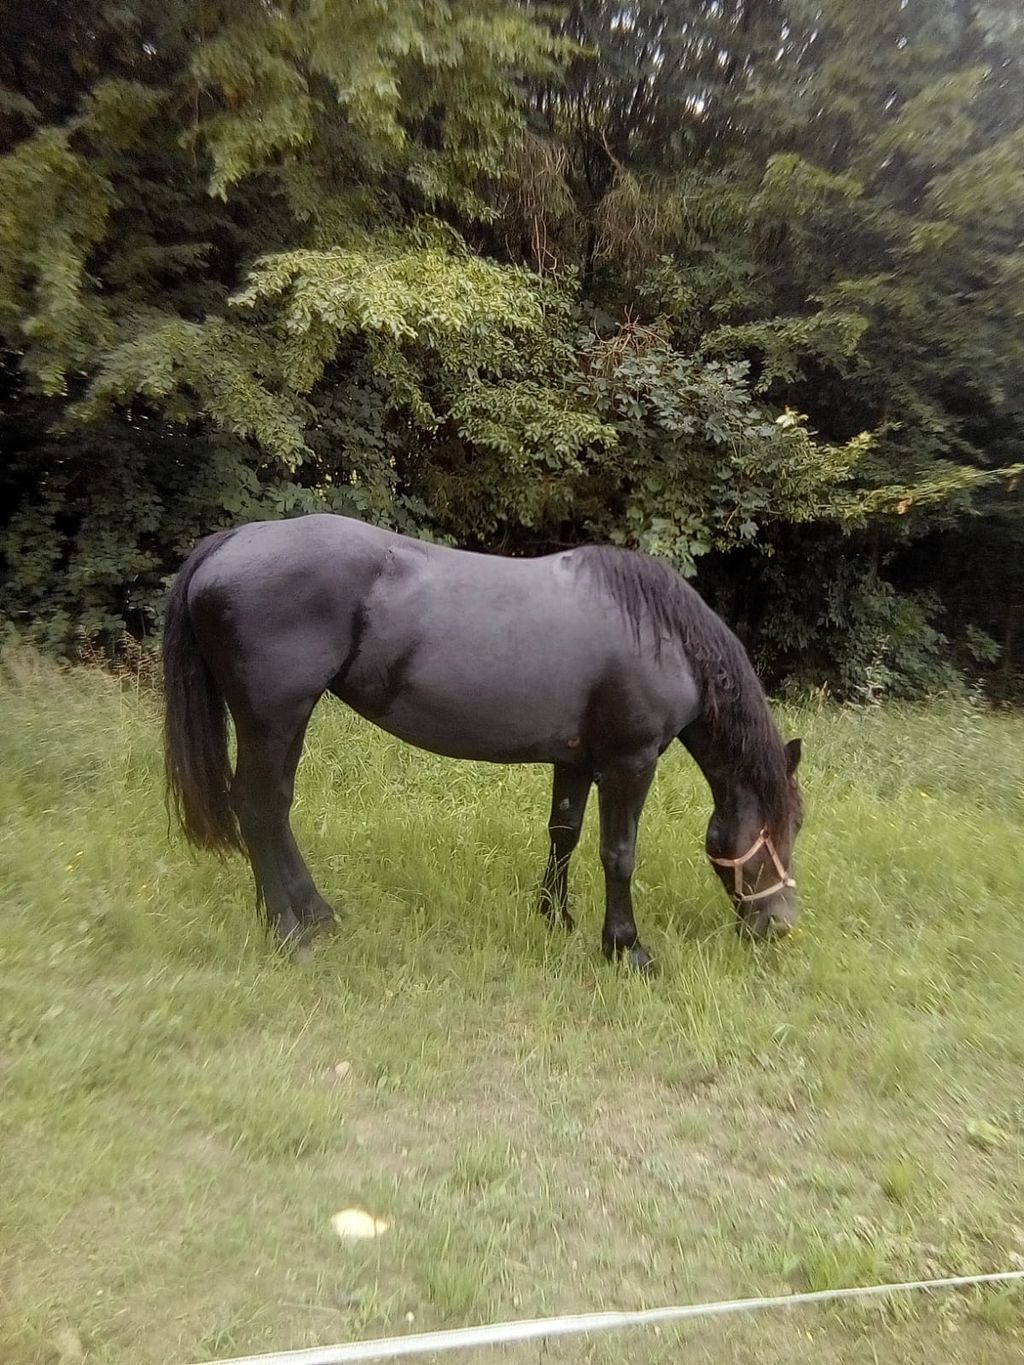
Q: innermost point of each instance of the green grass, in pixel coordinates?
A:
(542, 1133)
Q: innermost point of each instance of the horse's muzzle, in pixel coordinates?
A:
(768, 924)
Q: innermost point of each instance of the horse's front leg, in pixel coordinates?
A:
(569, 792)
(621, 795)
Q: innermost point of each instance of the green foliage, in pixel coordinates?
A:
(872, 643)
(986, 190)
(683, 277)
(54, 211)
(267, 110)
(794, 188)
(177, 366)
(427, 90)
(460, 307)
(785, 346)
(699, 464)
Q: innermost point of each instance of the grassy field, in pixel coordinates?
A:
(183, 1112)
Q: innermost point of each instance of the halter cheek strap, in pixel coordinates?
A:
(763, 840)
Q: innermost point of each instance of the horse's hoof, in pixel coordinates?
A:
(555, 915)
(639, 960)
(299, 943)
(636, 959)
(312, 935)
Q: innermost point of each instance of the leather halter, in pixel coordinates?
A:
(763, 840)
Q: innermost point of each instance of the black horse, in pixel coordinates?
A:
(592, 660)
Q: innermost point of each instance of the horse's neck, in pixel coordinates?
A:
(733, 796)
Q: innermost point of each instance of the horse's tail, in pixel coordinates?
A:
(196, 760)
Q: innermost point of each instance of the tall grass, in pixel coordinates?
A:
(542, 1132)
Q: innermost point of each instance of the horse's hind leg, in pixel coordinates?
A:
(621, 794)
(269, 747)
(569, 793)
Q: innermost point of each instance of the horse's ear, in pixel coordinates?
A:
(793, 751)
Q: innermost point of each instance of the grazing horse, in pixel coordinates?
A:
(592, 660)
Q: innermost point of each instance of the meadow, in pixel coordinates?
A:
(183, 1110)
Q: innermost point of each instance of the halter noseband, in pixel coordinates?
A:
(741, 897)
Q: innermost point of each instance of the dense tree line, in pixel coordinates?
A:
(739, 282)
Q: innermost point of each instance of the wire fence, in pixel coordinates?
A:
(587, 1324)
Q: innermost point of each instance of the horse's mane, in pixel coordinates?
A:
(733, 703)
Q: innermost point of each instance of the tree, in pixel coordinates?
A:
(724, 281)
(186, 144)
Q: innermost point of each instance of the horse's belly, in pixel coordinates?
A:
(476, 722)
(512, 712)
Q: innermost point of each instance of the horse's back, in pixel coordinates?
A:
(320, 560)
(269, 553)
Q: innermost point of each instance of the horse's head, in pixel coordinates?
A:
(751, 850)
